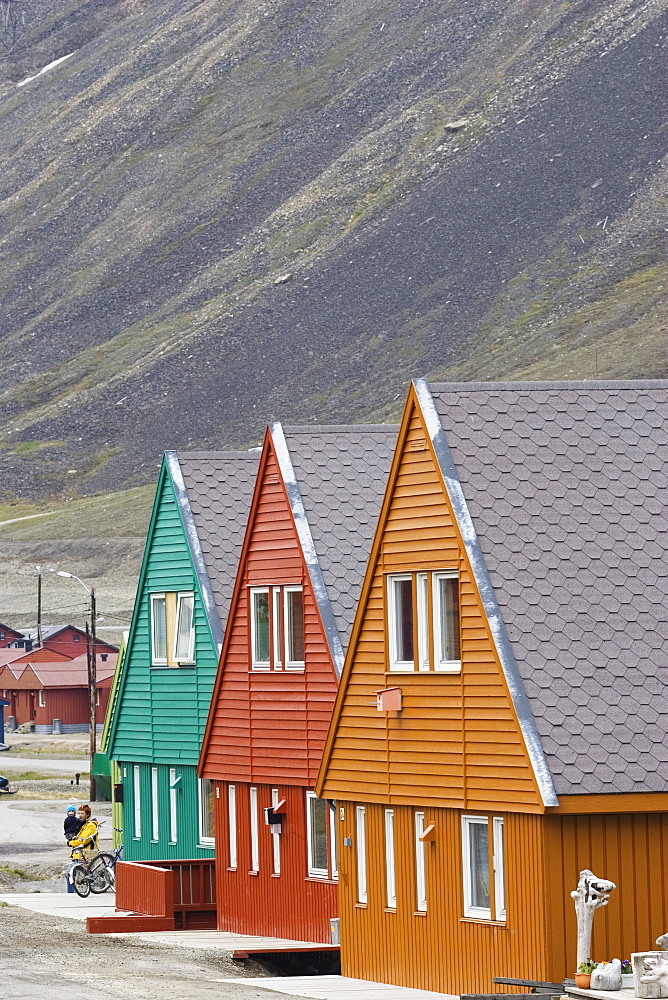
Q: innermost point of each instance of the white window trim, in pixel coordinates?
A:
(443, 666)
(190, 658)
(390, 867)
(254, 830)
(136, 788)
(480, 912)
(420, 865)
(173, 828)
(159, 661)
(275, 836)
(257, 664)
(232, 824)
(312, 870)
(396, 664)
(155, 823)
(204, 841)
(290, 664)
(360, 840)
(499, 869)
(41, 703)
(422, 588)
(334, 854)
(276, 627)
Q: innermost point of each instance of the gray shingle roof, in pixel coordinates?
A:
(220, 489)
(342, 473)
(567, 485)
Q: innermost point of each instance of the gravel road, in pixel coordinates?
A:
(47, 959)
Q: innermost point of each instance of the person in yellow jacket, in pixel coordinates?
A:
(87, 837)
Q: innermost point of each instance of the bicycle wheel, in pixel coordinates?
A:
(97, 875)
(80, 881)
(110, 867)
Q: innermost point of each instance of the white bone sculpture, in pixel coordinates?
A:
(650, 971)
(607, 976)
(590, 894)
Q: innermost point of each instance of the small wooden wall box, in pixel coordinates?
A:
(388, 700)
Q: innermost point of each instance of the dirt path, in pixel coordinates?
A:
(47, 959)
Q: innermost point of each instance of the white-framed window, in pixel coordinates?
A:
(475, 858)
(446, 622)
(206, 822)
(401, 614)
(420, 865)
(97, 697)
(316, 836)
(390, 870)
(184, 638)
(498, 862)
(360, 839)
(155, 816)
(332, 839)
(259, 598)
(254, 830)
(422, 588)
(424, 608)
(136, 788)
(158, 629)
(276, 628)
(232, 825)
(293, 625)
(173, 827)
(275, 836)
(40, 699)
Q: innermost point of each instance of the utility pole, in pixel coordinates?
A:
(39, 605)
(92, 689)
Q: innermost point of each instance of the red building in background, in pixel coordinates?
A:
(314, 510)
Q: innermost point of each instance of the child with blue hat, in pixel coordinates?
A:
(72, 825)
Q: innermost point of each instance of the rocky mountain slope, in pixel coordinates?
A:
(214, 213)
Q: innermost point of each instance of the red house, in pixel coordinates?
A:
(9, 635)
(42, 685)
(68, 639)
(316, 502)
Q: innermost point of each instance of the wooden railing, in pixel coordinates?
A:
(146, 889)
(194, 884)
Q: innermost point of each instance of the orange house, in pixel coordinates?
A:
(502, 720)
(316, 503)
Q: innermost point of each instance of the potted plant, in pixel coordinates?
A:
(627, 974)
(583, 975)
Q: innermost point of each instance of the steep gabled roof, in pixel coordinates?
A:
(335, 478)
(213, 491)
(565, 486)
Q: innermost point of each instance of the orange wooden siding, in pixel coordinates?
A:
(440, 949)
(288, 905)
(457, 742)
(270, 725)
(631, 850)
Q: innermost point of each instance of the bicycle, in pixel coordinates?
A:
(110, 861)
(94, 874)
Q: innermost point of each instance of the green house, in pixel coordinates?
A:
(164, 689)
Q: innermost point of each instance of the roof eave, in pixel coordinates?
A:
(307, 546)
(485, 589)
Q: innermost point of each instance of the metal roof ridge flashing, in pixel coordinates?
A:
(178, 482)
(307, 544)
(511, 672)
(575, 385)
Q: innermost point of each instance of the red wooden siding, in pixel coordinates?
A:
(270, 726)
(288, 905)
(144, 889)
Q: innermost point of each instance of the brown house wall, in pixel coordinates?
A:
(440, 950)
(630, 849)
(288, 905)
(457, 741)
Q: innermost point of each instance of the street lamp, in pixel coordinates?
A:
(91, 657)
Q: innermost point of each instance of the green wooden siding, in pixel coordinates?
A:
(145, 848)
(161, 712)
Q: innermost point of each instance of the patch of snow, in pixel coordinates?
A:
(45, 69)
